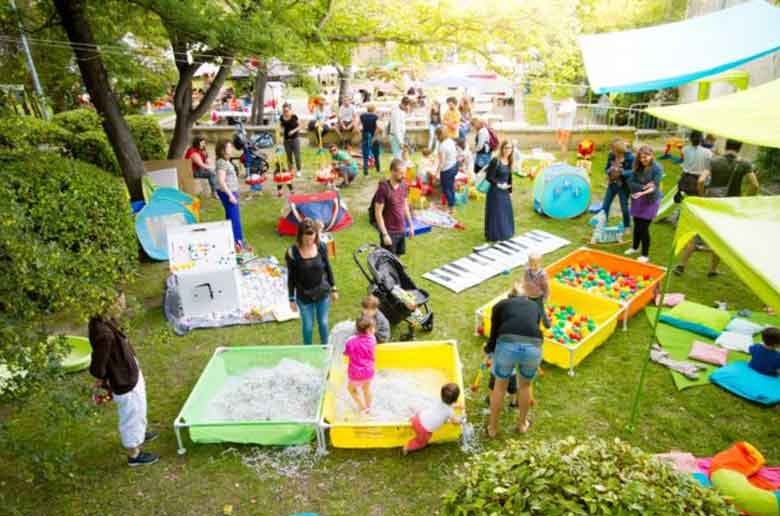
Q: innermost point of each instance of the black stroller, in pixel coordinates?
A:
(388, 279)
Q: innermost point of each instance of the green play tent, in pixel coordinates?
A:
(750, 116)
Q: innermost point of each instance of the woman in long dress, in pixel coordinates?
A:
(499, 219)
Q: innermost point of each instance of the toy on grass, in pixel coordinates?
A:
(255, 182)
(733, 474)
(101, 392)
(478, 378)
(603, 234)
(585, 153)
(326, 176)
(673, 143)
(567, 327)
(621, 286)
(461, 195)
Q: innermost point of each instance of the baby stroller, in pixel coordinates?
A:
(399, 298)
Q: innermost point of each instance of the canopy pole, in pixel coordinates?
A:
(664, 290)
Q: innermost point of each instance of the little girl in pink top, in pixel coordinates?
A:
(360, 351)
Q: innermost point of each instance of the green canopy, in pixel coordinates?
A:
(749, 116)
(741, 231)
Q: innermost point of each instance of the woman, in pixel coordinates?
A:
(645, 186)
(515, 344)
(465, 116)
(227, 181)
(292, 144)
(369, 141)
(310, 284)
(447, 166)
(434, 122)
(620, 161)
(200, 159)
(482, 145)
(499, 219)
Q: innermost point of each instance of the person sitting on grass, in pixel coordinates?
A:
(344, 165)
(431, 419)
(360, 371)
(765, 357)
(370, 305)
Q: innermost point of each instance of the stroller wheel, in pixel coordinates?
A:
(407, 336)
(427, 324)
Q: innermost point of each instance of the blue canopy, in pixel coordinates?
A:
(668, 55)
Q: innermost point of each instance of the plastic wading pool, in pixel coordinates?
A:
(614, 263)
(604, 312)
(440, 355)
(80, 355)
(235, 361)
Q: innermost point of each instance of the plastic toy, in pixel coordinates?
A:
(598, 280)
(673, 143)
(478, 378)
(562, 191)
(567, 327)
(603, 234)
(584, 153)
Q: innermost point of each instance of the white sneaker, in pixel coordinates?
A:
(298, 174)
(631, 251)
(643, 259)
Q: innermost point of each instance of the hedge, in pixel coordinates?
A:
(26, 132)
(148, 137)
(78, 120)
(94, 147)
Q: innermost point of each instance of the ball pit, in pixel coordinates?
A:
(567, 326)
(621, 286)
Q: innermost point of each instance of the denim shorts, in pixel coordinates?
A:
(511, 355)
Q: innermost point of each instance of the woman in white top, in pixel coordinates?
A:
(227, 181)
(482, 146)
(448, 166)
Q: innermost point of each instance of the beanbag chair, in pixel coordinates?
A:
(745, 496)
(738, 378)
(702, 320)
(744, 326)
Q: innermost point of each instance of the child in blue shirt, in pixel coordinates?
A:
(765, 358)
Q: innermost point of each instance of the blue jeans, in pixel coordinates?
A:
(511, 355)
(307, 311)
(396, 146)
(621, 191)
(447, 180)
(233, 215)
(370, 147)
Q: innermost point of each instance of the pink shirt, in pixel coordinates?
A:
(360, 350)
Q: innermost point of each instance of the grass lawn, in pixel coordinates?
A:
(60, 455)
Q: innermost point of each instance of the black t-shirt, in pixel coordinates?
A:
(368, 121)
(289, 125)
(722, 169)
(514, 316)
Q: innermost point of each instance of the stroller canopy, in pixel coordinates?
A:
(388, 271)
(325, 207)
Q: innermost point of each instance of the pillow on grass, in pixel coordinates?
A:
(696, 318)
(738, 378)
(735, 341)
(708, 353)
(744, 326)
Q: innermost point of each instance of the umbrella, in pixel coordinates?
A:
(452, 81)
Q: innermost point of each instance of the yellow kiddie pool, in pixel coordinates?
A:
(407, 357)
(603, 312)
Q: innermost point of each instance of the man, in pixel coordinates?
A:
(567, 112)
(344, 164)
(726, 175)
(346, 120)
(696, 166)
(391, 210)
(114, 362)
(398, 126)
(451, 118)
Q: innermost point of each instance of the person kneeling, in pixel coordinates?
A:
(431, 419)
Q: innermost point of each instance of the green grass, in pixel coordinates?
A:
(58, 461)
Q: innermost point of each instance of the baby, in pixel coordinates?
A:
(370, 305)
(429, 420)
(765, 358)
(536, 284)
(360, 371)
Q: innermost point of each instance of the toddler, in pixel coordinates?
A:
(429, 420)
(370, 305)
(360, 351)
(765, 358)
(536, 284)
(428, 167)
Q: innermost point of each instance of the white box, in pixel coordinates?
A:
(164, 178)
(209, 292)
(201, 247)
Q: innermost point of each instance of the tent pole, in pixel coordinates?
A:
(664, 290)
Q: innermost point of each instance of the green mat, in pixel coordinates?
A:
(678, 343)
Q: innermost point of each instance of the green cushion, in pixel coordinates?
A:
(697, 318)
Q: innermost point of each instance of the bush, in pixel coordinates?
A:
(768, 163)
(26, 132)
(66, 243)
(570, 477)
(93, 147)
(148, 136)
(78, 120)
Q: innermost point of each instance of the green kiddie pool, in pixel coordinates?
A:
(80, 355)
(225, 371)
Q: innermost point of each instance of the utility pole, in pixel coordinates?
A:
(30, 63)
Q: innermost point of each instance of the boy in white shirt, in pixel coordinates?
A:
(431, 419)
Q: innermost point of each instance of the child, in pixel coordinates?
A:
(406, 156)
(371, 310)
(536, 284)
(429, 420)
(465, 158)
(360, 351)
(428, 167)
(765, 358)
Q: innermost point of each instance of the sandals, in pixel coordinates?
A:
(679, 270)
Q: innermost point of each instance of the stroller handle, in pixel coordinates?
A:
(356, 256)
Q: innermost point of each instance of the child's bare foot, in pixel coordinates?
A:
(404, 451)
(492, 432)
(524, 428)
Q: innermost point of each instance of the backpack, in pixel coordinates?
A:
(492, 140)
(371, 211)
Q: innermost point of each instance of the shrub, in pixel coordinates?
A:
(93, 147)
(78, 120)
(66, 243)
(768, 163)
(27, 132)
(148, 136)
(570, 477)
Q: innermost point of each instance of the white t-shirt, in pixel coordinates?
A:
(448, 154)
(696, 159)
(398, 123)
(483, 140)
(434, 418)
(567, 112)
(346, 113)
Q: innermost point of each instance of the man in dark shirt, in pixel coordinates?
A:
(114, 363)
(292, 144)
(728, 172)
(391, 210)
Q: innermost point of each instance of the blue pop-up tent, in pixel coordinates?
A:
(665, 56)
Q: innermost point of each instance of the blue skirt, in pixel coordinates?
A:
(499, 218)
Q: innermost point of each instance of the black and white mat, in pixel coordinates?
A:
(492, 259)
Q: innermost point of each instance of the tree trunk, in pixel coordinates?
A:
(344, 73)
(258, 102)
(93, 73)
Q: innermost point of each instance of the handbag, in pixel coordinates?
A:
(484, 185)
(482, 159)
